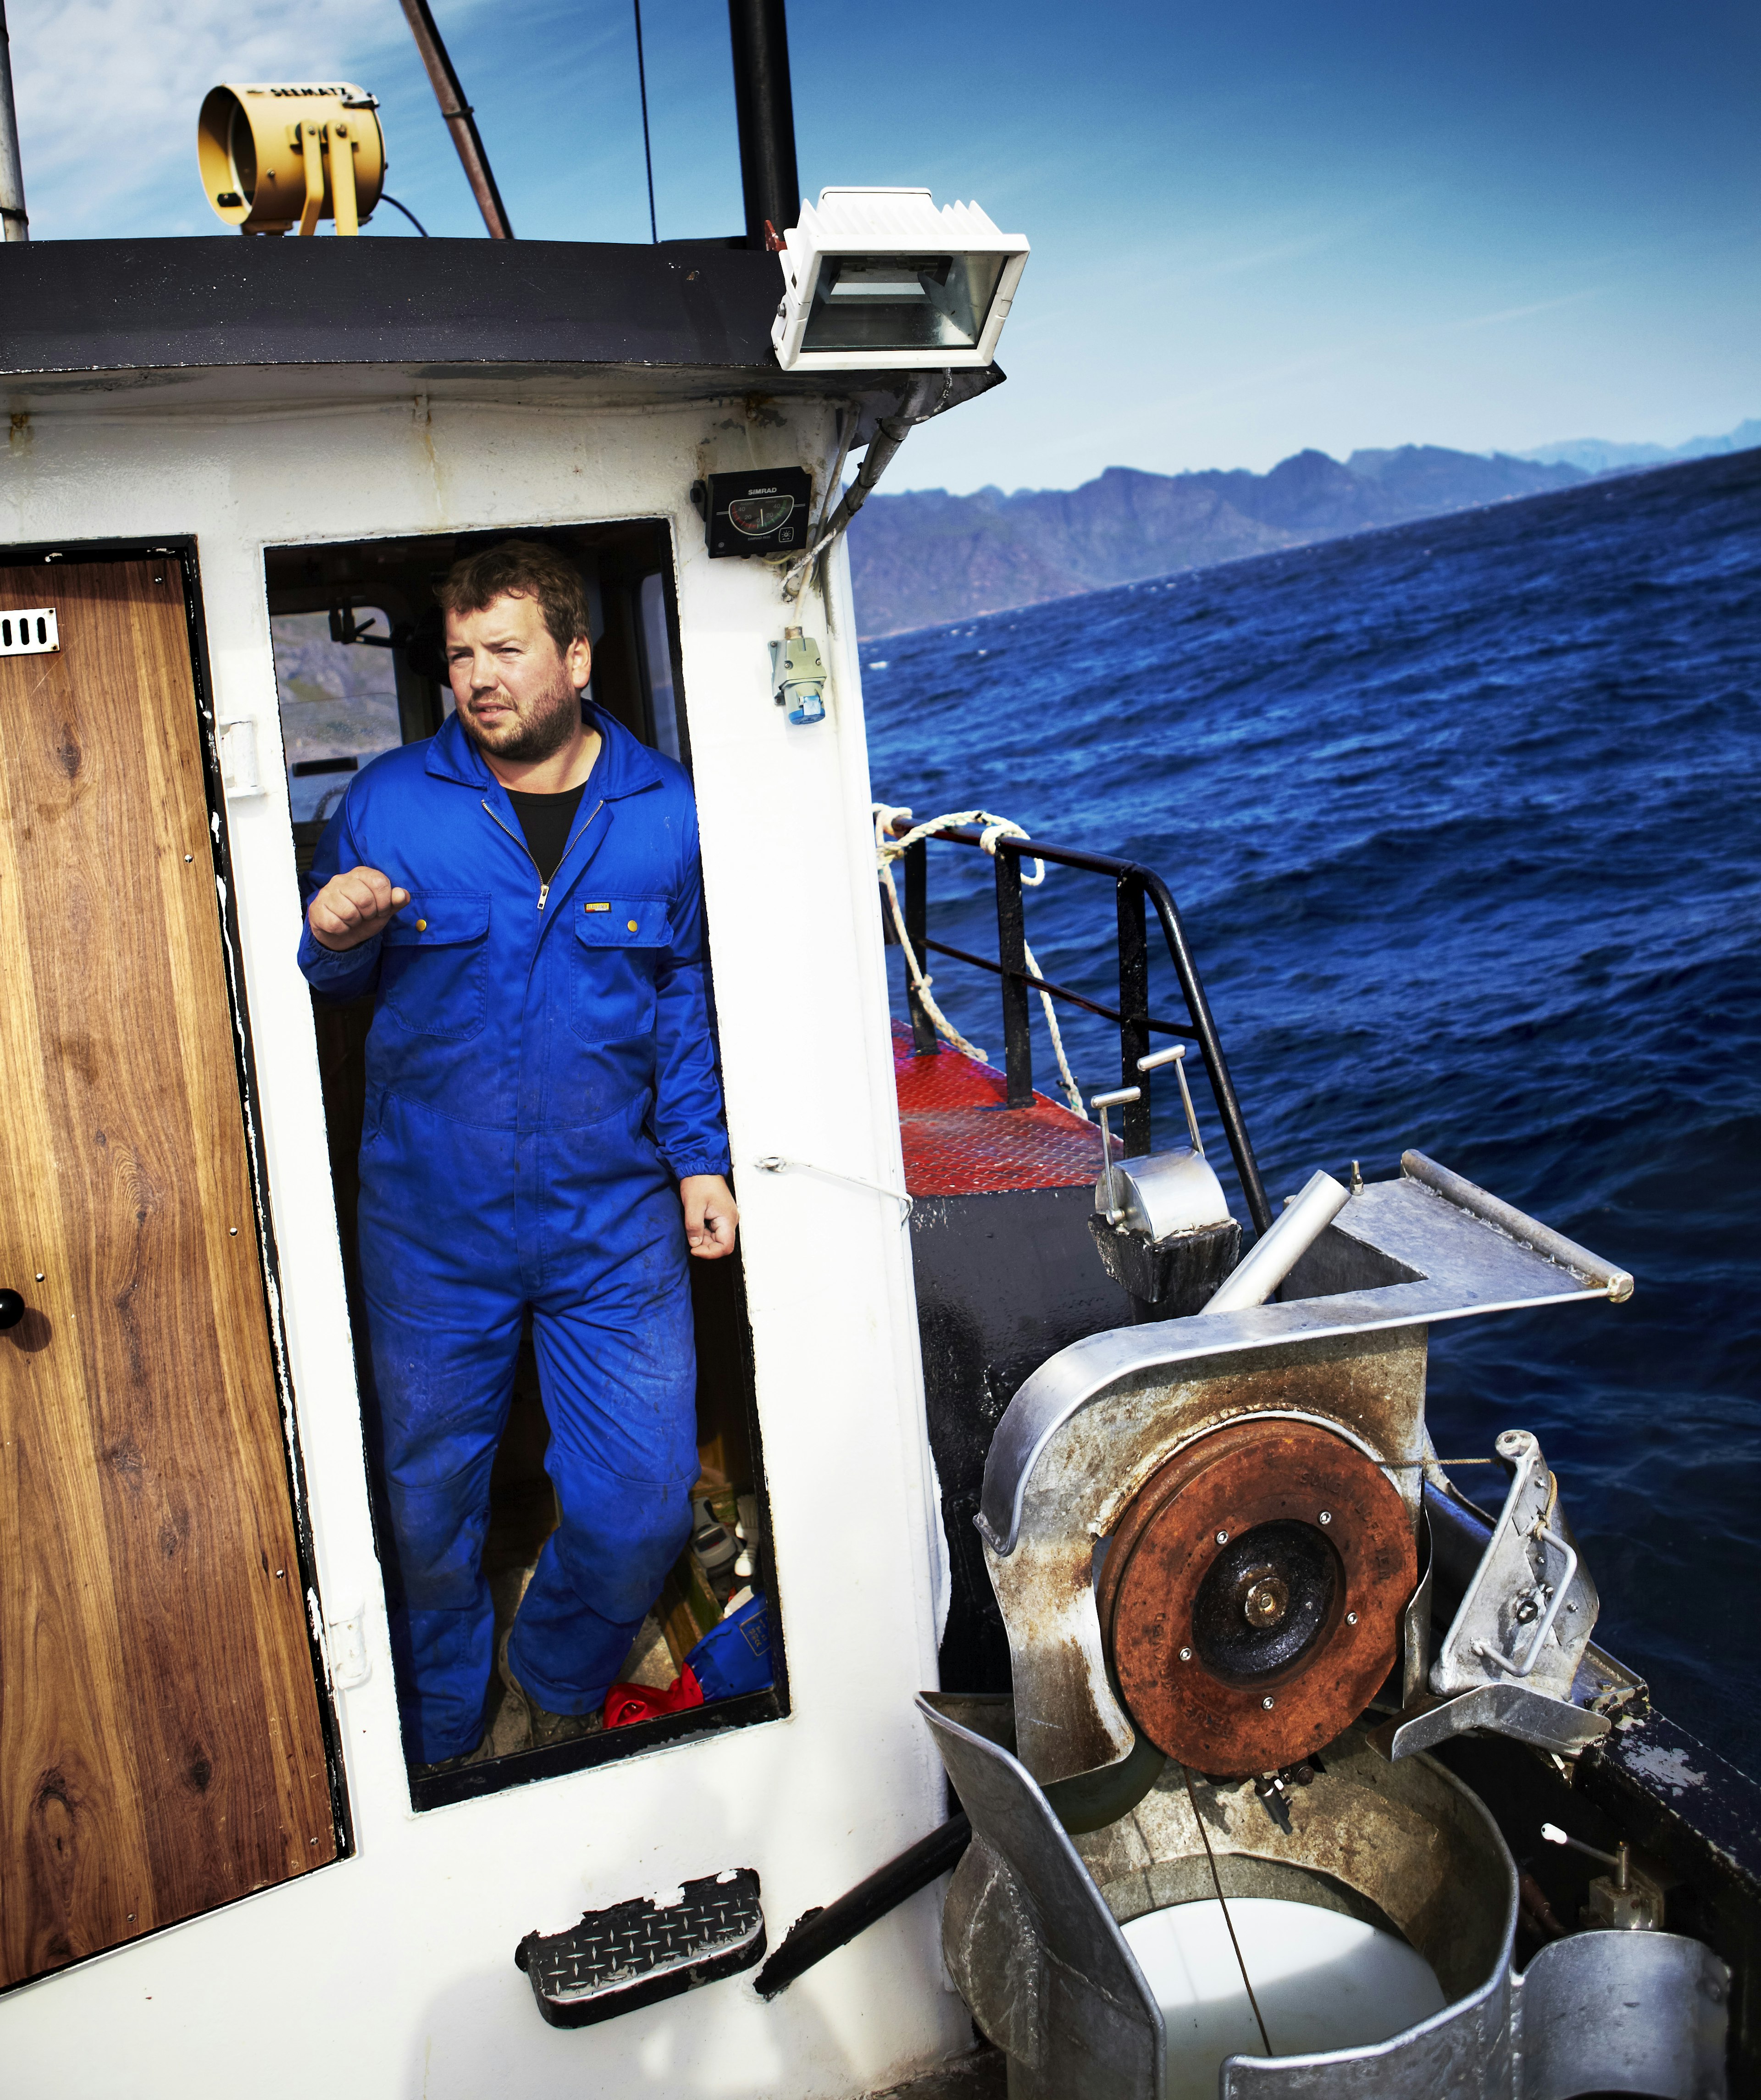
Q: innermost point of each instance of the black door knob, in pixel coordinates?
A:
(12, 1309)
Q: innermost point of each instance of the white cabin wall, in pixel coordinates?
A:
(391, 1973)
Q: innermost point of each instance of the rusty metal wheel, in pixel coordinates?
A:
(1251, 1599)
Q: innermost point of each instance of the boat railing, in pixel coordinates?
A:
(1138, 889)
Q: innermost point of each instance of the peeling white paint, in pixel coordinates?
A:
(1669, 1768)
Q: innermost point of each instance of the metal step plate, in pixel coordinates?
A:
(634, 1954)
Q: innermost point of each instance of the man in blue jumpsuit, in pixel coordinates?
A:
(543, 1137)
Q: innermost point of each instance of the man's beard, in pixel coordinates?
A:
(532, 738)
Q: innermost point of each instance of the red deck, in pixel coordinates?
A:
(960, 1140)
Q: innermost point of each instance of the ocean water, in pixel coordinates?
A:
(1461, 820)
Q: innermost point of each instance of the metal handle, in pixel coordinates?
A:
(12, 1309)
(1544, 1624)
(1620, 1861)
(1174, 1056)
(1121, 1097)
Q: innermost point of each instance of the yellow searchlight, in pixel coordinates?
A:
(273, 157)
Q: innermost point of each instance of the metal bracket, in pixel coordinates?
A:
(1415, 1621)
(1506, 1709)
(1529, 1611)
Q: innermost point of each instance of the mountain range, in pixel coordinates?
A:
(925, 556)
(1597, 456)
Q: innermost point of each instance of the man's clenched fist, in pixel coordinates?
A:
(710, 1217)
(353, 906)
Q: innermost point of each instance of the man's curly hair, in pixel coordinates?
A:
(521, 568)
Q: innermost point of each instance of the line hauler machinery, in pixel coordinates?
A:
(1209, 1543)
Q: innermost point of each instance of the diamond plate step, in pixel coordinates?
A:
(632, 1955)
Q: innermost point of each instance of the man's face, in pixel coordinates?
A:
(516, 692)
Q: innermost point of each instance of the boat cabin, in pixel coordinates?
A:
(233, 475)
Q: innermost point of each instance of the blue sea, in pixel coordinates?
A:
(1461, 818)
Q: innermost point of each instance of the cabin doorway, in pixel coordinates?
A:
(162, 1746)
(360, 670)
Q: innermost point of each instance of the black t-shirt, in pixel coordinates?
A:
(545, 820)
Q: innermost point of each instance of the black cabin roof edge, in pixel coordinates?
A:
(83, 309)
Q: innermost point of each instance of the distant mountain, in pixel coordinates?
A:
(1597, 456)
(926, 557)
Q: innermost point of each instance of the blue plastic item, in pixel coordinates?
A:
(734, 1657)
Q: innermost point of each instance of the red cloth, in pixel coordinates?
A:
(625, 1703)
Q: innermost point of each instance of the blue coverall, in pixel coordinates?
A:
(540, 1078)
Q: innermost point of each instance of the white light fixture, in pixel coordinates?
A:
(878, 280)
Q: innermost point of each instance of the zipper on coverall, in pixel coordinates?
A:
(543, 887)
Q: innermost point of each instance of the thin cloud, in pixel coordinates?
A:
(1508, 314)
(1344, 356)
(107, 92)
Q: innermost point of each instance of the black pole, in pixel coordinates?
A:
(1134, 1014)
(819, 1933)
(1012, 953)
(765, 110)
(460, 120)
(14, 223)
(641, 83)
(923, 1044)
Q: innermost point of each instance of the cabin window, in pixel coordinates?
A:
(360, 670)
(339, 705)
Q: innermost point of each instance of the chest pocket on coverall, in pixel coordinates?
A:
(619, 945)
(434, 969)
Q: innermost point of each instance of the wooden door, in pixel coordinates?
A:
(161, 1746)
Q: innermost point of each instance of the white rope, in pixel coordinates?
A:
(1072, 1092)
(888, 849)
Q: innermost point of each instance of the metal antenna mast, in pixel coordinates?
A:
(14, 224)
(765, 109)
(459, 119)
(642, 82)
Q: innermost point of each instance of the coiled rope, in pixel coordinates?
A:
(888, 849)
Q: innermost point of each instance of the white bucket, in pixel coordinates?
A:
(1324, 1981)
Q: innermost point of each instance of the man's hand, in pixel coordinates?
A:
(353, 906)
(710, 1216)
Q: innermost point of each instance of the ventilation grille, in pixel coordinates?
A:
(31, 631)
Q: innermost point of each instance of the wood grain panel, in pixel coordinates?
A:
(157, 1585)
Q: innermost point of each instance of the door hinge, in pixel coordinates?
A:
(238, 755)
(345, 1643)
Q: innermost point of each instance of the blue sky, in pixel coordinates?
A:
(1255, 228)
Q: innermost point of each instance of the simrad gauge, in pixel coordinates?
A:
(756, 512)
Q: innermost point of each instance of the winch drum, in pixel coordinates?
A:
(1251, 1594)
